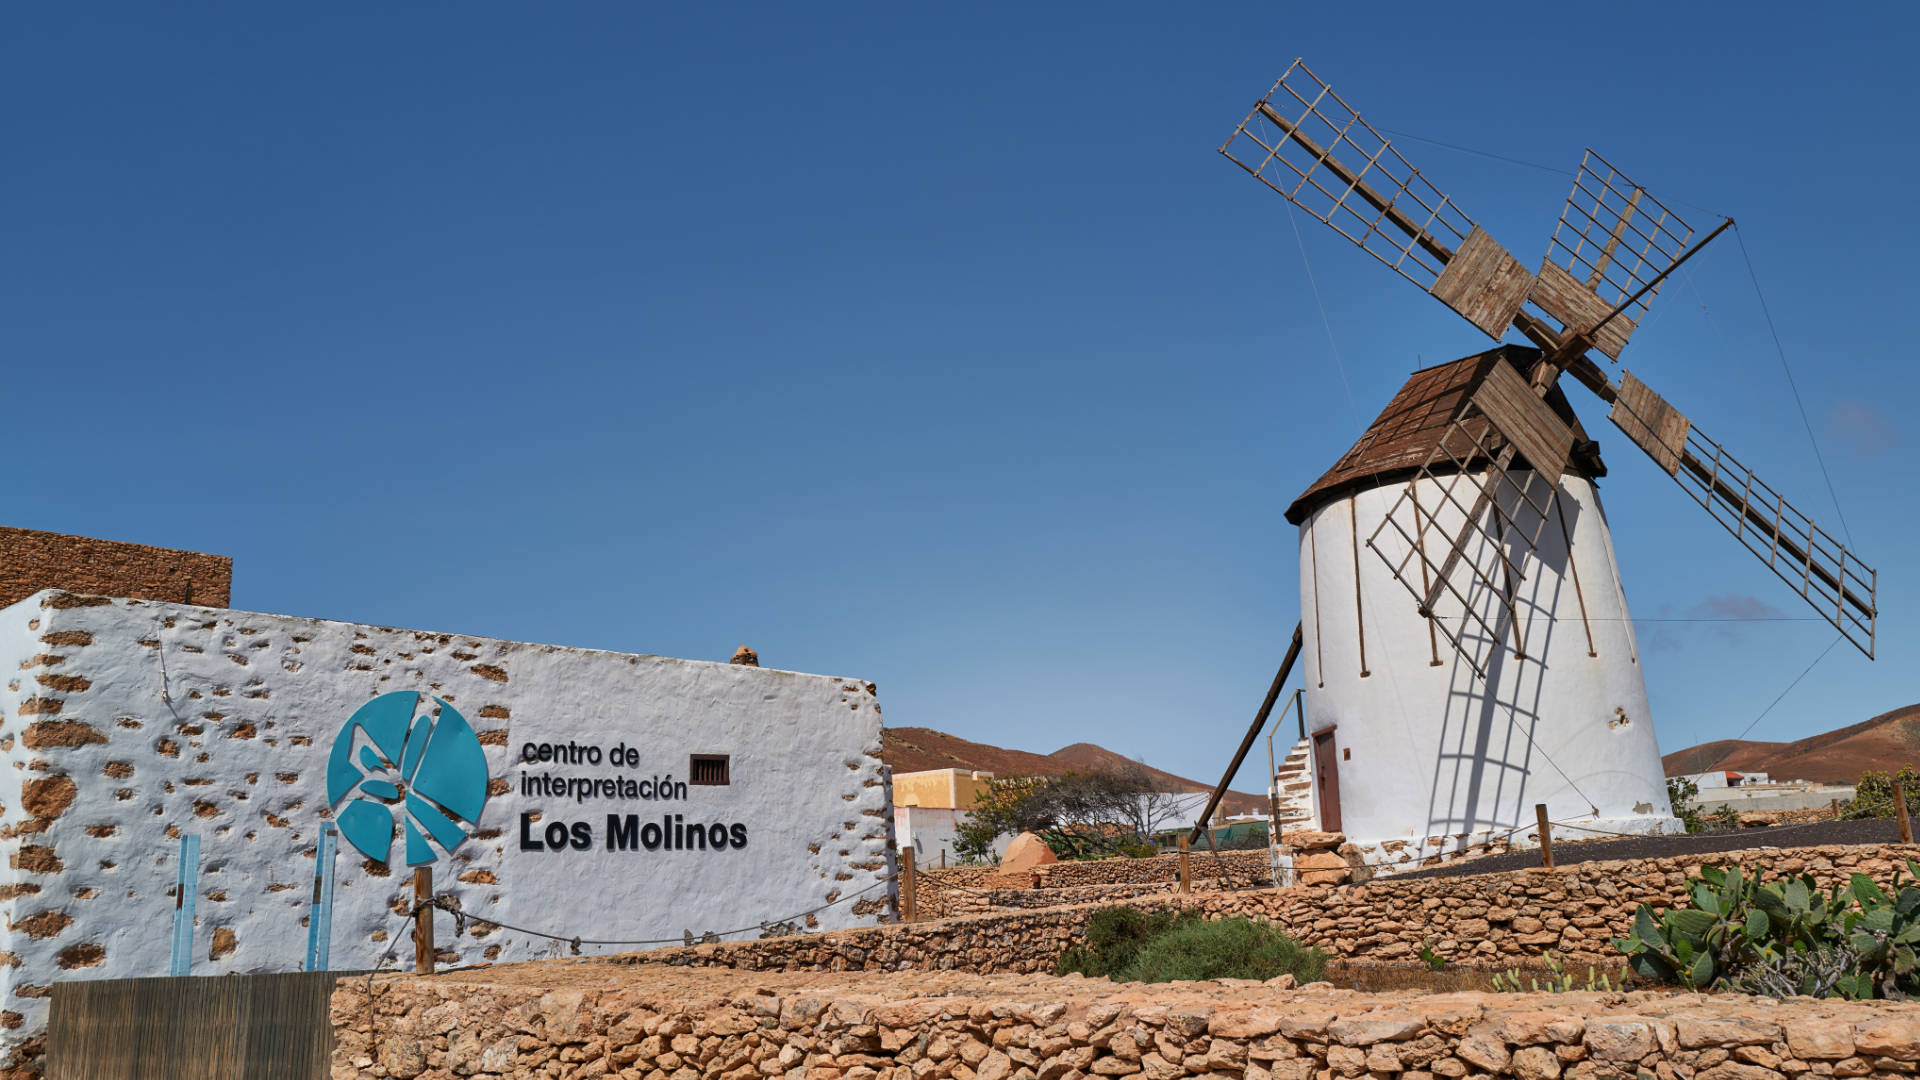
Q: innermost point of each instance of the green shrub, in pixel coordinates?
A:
(1680, 795)
(1684, 795)
(1114, 938)
(1224, 949)
(1873, 795)
(1785, 938)
(1130, 945)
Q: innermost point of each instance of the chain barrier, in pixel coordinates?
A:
(1229, 881)
(451, 905)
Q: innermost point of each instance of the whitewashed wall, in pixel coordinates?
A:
(141, 720)
(934, 831)
(1440, 759)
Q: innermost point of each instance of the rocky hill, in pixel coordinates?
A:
(1884, 743)
(911, 749)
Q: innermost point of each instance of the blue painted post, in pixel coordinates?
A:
(186, 882)
(320, 911)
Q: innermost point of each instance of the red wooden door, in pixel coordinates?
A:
(1326, 779)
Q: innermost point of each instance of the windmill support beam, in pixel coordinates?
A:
(1584, 369)
(1246, 744)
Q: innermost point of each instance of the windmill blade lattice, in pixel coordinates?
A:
(1613, 246)
(1306, 143)
(1613, 239)
(1831, 579)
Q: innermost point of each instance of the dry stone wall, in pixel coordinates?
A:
(578, 1023)
(1486, 920)
(1245, 867)
(31, 560)
(950, 901)
(1239, 867)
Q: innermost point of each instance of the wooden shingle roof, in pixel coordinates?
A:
(1397, 443)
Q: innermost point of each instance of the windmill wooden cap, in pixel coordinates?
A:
(1398, 441)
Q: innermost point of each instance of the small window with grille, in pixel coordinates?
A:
(709, 770)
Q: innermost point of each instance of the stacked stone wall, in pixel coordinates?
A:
(31, 560)
(949, 901)
(1247, 866)
(547, 1020)
(1485, 920)
(1242, 867)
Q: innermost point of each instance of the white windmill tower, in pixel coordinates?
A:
(1468, 652)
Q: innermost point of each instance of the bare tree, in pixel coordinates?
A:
(1156, 803)
(1098, 812)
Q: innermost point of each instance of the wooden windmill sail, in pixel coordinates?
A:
(1469, 520)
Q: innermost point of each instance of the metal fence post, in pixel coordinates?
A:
(320, 910)
(186, 882)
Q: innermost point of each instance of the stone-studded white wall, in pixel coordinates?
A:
(128, 723)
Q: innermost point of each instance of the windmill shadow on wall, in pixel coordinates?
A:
(1491, 725)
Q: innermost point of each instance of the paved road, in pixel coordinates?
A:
(1814, 834)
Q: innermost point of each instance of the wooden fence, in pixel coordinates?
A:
(231, 1027)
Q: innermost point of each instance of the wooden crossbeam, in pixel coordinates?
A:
(1654, 426)
(1525, 420)
(1613, 241)
(1484, 284)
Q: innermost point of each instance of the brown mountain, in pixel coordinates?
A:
(912, 749)
(1884, 744)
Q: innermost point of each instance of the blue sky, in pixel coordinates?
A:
(932, 346)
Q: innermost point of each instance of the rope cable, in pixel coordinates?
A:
(1332, 345)
(1528, 164)
(443, 903)
(1792, 385)
(1724, 754)
(1476, 153)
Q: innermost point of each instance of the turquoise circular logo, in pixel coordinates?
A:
(413, 754)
